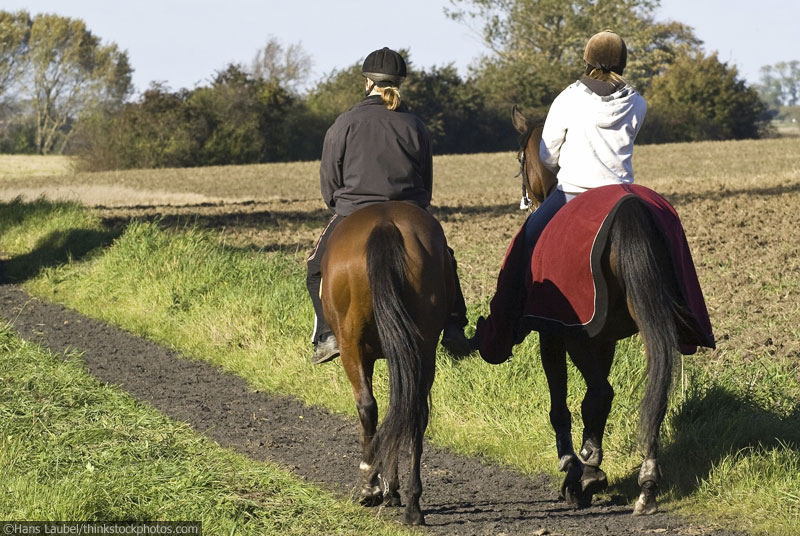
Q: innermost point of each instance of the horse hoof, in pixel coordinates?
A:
(571, 495)
(571, 487)
(371, 496)
(413, 517)
(593, 481)
(645, 506)
(371, 501)
(392, 499)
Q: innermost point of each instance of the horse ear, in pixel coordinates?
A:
(519, 120)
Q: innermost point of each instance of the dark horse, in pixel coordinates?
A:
(386, 288)
(643, 295)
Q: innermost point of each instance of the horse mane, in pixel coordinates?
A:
(522, 141)
(543, 180)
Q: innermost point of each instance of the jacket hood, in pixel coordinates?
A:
(613, 109)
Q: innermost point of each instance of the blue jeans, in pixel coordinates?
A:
(540, 217)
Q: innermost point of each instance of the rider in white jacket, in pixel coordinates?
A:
(587, 140)
(590, 137)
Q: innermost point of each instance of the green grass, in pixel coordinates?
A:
(72, 448)
(42, 233)
(733, 432)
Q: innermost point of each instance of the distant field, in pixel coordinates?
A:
(21, 166)
(788, 129)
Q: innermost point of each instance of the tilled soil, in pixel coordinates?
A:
(462, 496)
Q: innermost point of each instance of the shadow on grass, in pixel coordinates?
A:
(59, 247)
(216, 217)
(710, 426)
(240, 217)
(232, 215)
(775, 191)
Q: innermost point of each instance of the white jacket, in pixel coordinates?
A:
(588, 139)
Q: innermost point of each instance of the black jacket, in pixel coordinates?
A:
(372, 154)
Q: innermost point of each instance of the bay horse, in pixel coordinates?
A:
(387, 287)
(643, 295)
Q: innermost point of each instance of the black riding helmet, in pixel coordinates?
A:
(384, 66)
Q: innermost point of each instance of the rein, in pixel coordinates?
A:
(525, 202)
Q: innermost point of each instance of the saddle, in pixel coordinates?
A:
(565, 291)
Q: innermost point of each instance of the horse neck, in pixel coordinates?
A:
(541, 180)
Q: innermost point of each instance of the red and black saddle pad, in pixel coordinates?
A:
(564, 291)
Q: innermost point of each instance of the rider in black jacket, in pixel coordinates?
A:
(377, 151)
(372, 154)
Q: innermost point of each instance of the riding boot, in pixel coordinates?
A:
(453, 338)
(326, 347)
(325, 350)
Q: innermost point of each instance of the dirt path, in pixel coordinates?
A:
(462, 495)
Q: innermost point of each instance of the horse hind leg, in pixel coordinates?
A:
(391, 494)
(359, 372)
(594, 362)
(371, 484)
(554, 356)
(413, 513)
(649, 476)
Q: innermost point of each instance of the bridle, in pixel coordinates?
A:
(525, 202)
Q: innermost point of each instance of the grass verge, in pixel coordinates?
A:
(72, 448)
(729, 439)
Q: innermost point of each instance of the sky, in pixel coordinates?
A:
(183, 43)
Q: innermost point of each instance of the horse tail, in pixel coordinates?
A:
(401, 343)
(647, 278)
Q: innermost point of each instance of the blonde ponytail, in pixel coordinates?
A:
(607, 76)
(390, 96)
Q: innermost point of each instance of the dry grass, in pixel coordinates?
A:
(182, 186)
(19, 167)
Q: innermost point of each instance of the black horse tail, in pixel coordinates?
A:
(648, 281)
(407, 416)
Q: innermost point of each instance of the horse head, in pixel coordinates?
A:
(537, 180)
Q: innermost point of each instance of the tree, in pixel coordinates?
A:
(455, 113)
(150, 133)
(15, 29)
(70, 71)
(16, 132)
(58, 67)
(287, 67)
(338, 91)
(241, 119)
(237, 119)
(780, 83)
(700, 98)
(537, 45)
